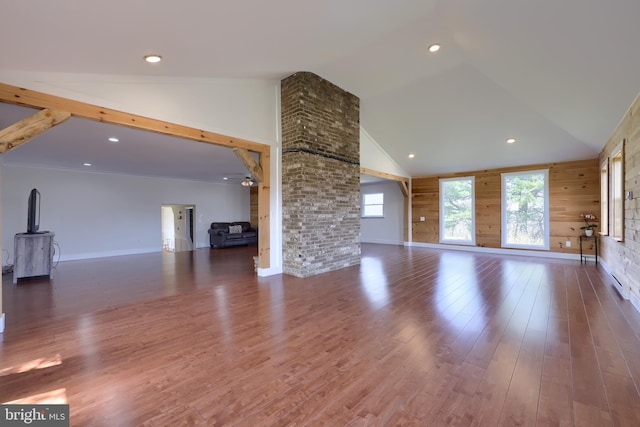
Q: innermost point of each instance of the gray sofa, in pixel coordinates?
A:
(226, 234)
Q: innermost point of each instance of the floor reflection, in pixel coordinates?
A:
(457, 289)
(374, 282)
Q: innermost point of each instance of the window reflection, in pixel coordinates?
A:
(374, 282)
(457, 293)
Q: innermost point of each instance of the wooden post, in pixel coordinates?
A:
(264, 211)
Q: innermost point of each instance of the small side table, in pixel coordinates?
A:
(33, 255)
(583, 256)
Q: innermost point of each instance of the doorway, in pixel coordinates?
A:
(177, 228)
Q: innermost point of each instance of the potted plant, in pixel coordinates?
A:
(588, 228)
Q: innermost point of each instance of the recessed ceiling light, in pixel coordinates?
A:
(86, 164)
(225, 178)
(411, 156)
(434, 48)
(511, 140)
(113, 139)
(153, 58)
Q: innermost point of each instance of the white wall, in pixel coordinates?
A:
(387, 230)
(95, 215)
(373, 157)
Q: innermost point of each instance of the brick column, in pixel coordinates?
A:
(320, 176)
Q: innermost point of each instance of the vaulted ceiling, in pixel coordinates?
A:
(555, 75)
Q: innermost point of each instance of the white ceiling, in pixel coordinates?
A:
(556, 75)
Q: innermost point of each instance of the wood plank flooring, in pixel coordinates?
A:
(412, 336)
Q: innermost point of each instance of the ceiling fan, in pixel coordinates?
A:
(245, 180)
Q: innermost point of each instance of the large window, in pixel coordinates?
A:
(525, 210)
(457, 211)
(373, 205)
(617, 193)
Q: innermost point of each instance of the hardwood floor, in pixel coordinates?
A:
(412, 336)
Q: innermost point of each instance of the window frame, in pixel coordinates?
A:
(604, 197)
(503, 208)
(365, 204)
(616, 193)
(471, 242)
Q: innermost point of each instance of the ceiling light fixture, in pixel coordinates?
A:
(86, 164)
(153, 59)
(113, 139)
(247, 182)
(434, 48)
(511, 140)
(224, 178)
(411, 155)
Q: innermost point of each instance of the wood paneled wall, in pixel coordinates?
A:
(574, 189)
(623, 258)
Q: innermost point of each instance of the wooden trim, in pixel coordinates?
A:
(404, 187)
(27, 129)
(250, 163)
(616, 194)
(28, 98)
(383, 175)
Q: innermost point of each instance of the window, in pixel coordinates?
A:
(457, 211)
(373, 205)
(617, 193)
(525, 210)
(604, 197)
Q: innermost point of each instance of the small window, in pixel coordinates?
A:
(617, 193)
(373, 205)
(525, 210)
(457, 211)
(604, 197)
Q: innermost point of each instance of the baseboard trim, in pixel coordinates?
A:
(272, 271)
(496, 251)
(106, 254)
(624, 293)
(2, 323)
(382, 242)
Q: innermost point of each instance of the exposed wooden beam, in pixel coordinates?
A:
(25, 97)
(404, 182)
(404, 187)
(27, 129)
(250, 163)
(384, 175)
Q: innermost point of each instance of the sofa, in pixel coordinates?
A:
(226, 234)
